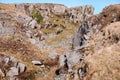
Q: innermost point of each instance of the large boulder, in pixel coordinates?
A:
(70, 59)
(12, 72)
(21, 67)
(59, 9)
(80, 40)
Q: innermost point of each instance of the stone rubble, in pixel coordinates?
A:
(10, 67)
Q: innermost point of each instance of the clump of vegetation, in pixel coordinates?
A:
(37, 16)
(31, 76)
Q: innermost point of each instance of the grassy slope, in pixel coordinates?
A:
(67, 32)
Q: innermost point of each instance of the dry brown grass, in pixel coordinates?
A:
(103, 54)
(24, 52)
(104, 64)
(7, 7)
(69, 30)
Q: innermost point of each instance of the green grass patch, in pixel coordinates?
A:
(68, 29)
(37, 15)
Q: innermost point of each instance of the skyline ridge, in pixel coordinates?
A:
(98, 5)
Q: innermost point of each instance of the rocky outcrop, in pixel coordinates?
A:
(40, 37)
(32, 19)
(17, 23)
(69, 59)
(75, 14)
(106, 52)
(94, 24)
(59, 9)
(10, 67)
(80, 14)
(96, 39)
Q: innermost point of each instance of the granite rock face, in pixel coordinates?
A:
(75, 14)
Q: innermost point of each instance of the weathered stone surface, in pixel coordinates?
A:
(48, 11)
(33, 24)
(81, 13)
(21, 67)
(10, 67)
(12, 59)
(4, 29)
(93, 25)
(53, 55)
(80, 39)
(12, 72)
(75, 14)
(35, 62)
(60, 77)
(82, 71)
(70, 58)
(33, 41)
(59, 9)
(59, 25)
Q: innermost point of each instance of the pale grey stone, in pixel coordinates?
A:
(12, 72)
(59, 9)
(28, 33)
(21, 67)
(33, 41)
(71, 58)
(7, 59)
(42, 66)
(35, 62)
(33, 24)
(12, 59)
(62, 59)
(53, 55)
(60, 77)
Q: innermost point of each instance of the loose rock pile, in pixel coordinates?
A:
(10, 67)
